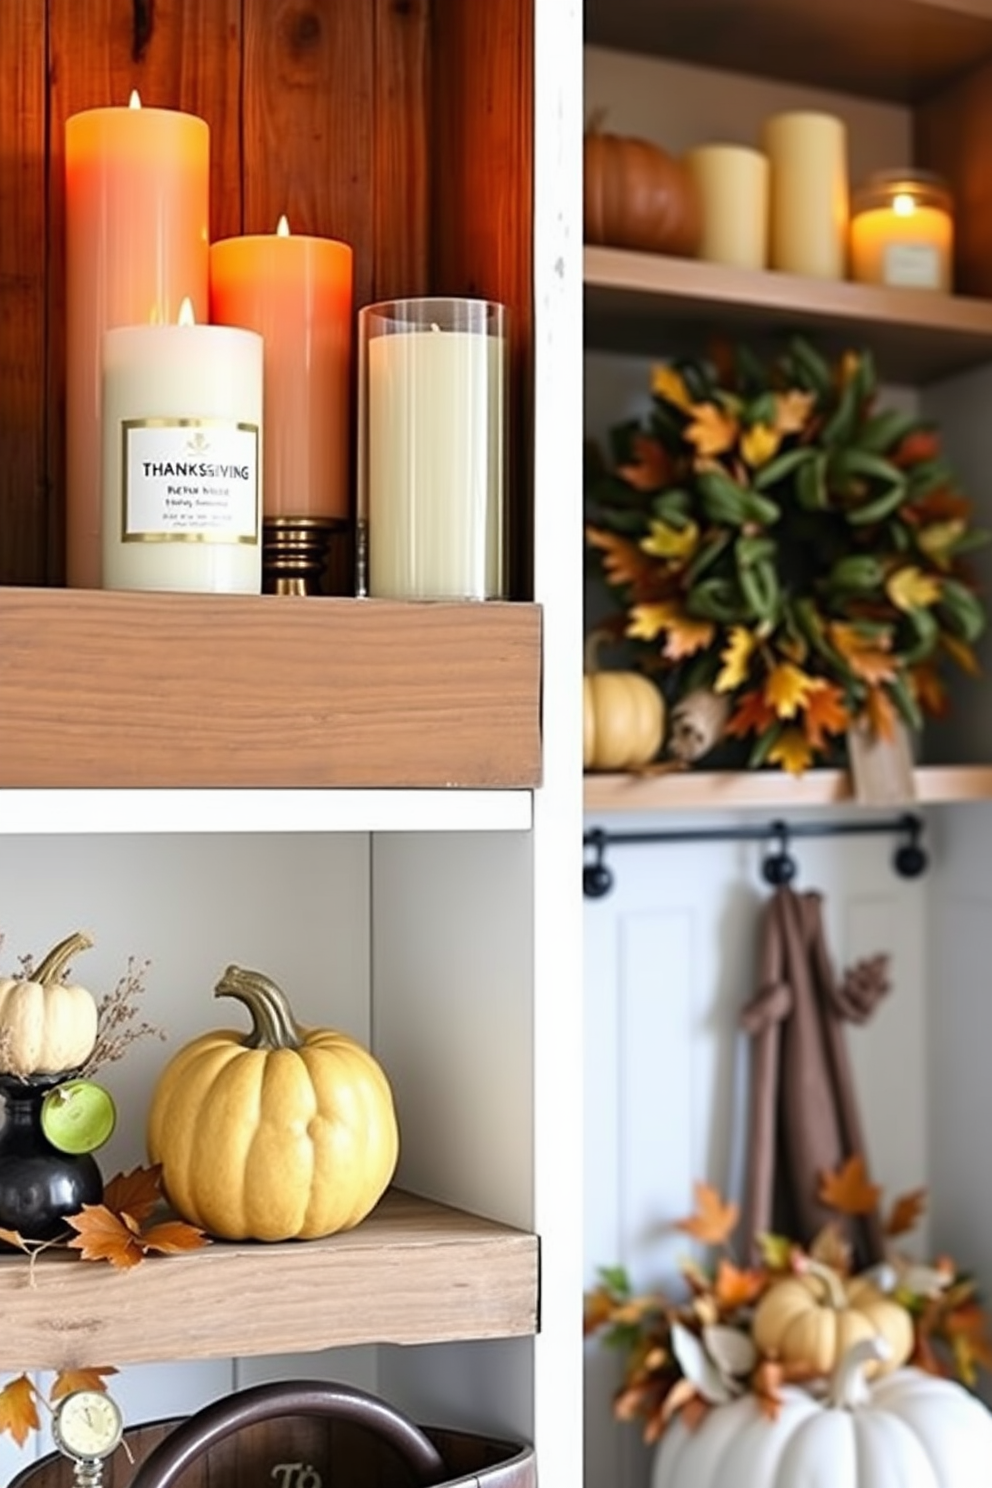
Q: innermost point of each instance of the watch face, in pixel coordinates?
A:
(88, 1424)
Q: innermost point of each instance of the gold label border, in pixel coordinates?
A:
(241, 426)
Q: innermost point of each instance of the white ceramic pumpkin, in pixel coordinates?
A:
(905, 1430)
(49, 1026)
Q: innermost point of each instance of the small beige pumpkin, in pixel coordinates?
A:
(623, 716)
(47, 1026)
(814, 1318)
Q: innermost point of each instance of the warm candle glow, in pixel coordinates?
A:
(186, 314)
(135, 100)
(903, 205)
(282, 226)
(902, 232)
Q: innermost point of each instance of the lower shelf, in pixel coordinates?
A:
(413, 1272)
(771, 789)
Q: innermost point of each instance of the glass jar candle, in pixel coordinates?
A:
(902, 231)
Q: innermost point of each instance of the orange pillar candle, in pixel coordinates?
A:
(137, 244)
(297, 292)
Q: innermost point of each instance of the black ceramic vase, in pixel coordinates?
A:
(39, 1185)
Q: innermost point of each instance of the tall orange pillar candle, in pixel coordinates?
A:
(296, 290)
(137, 245)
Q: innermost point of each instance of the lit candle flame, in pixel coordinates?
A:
(282, 227)
(903, 204)
(135, 101)
(186, 315)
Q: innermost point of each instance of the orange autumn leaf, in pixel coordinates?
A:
(848, 1190)
(792, 751)
(787, 689)
(102, 1236)
(792, 411)
(825, 713)
(173, 1237)
(623, 561)
(668, 383)
(136, 1193)
(906, 1212)
(929, 690)
(651, 467)
(18, 1411)
(962, 654)
(881, 713)
(735, 1287)
(68, 1380)
(713, 1220)
(684, 636)
(752, 715)
(868, 658)
(942, 505)
(922, 444)
(11, 1237)
(711, 432)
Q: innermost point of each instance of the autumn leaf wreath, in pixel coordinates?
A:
(786, 551)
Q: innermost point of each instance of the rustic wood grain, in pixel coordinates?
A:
(23, 496)
(413, 1272)
(482, 184)
(953, 136)
(118, 689)
(717, 790)
(401, 169)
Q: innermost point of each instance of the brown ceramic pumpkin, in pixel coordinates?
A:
(637, 195)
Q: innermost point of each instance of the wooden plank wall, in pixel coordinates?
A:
(324, 109)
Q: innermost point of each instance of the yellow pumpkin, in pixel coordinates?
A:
(47, 1026)
(281, 1133)
(814, 1318)
(623, 716)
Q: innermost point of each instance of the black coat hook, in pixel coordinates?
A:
(779, 867)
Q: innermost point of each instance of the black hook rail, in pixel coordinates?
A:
(779, 867)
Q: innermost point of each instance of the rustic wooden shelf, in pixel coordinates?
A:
(655, 305)
(694, 790)
(413, 1272)
(113, 689)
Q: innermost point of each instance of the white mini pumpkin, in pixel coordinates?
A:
(905, 1430)
(49, 1026)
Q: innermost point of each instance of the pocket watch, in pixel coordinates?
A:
(87, 1427)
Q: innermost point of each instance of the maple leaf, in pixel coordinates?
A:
(137, 1193)
(735, 1287)
(868, 658)
(848, 1189)
(669, 384)
(18, 1410)
(11, 1237)
(787, 689)
(664, 541)
(825, 713)
(752, 714)
(758, 444)
(792, 410)
(713, 1220)
(684, 635)
(906, 1211)
(651, 467)
(922, 444)
(909, 588)
(736, 656)
(623, 561)
(172, 1237)
(68, 1380)
(711, 432)
(929, 690)
(881, 713)
(102, 1236)
(792, 751)
(962, 654)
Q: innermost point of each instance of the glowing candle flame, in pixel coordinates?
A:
(903, 204)
(282, 227)
(135, 101)
(186, 315)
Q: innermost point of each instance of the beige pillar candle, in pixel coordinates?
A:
(732, 181)
(807, 154)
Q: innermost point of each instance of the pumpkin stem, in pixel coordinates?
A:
(848, 1386)
(832, 1285)
(52, 967)
(272, 1023)
(594, 641)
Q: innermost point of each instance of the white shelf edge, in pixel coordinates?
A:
(137, 811)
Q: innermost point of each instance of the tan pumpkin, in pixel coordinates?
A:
(636, 195)
(623, 716)
(47, 1026)
(277, 1134)
(813, 1320)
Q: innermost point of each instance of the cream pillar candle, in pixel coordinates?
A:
(182, 419)
(432, 448)
(808, 220)
(732, 181)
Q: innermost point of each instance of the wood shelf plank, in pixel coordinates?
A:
(654, 304)
(413, 1272)
(695, 790)
(142, 690)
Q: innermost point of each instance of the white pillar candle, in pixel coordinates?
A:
(182, 421)
(807, 153)
(732, 181)
(433, 393)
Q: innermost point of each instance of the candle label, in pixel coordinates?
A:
(189, 480)
(912, 265)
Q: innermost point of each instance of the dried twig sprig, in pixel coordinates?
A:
(117, 1015)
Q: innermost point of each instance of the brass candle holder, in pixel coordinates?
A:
(295, 553)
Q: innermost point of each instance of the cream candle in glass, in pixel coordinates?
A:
(808, 212)
(182, 420)
(432, 449)
(137, 240)
(902, 231)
